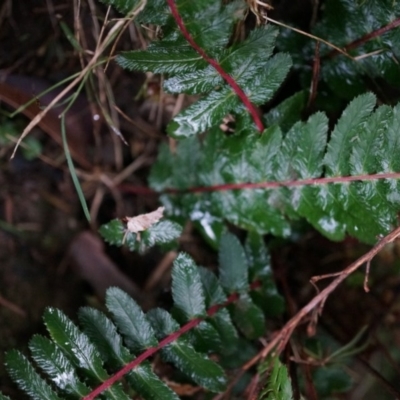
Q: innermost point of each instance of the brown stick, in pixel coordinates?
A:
(278, 343)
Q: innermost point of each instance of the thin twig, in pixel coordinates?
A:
(289, 183)
(278, 343)
(91, 64)
(336, 48)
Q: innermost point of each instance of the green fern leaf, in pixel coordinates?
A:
(181, 353)
(345, 22)
(2, 397)
(249, 63)
(248, 317)
(204, 113)
(287, 113)
(161, 233)
(349, 125)
(195, 82)
(73, 353)
(79, 349)
(233, 273)
(220, 19)
(206, 338)
(162, 60)
(214, 294)
(53, 361)
(22, 372)
(102, 332)
(259, 44)
(187, 290)
(261, 84)
(155, 12)
(266, 297)
(149, 385)
(130, 320)
(278, 386)
(221, 321)
(341, 25)
(362, 142)
(258, 257)
(74, 343)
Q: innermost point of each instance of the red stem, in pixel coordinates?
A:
(167, 340)
(236, 88)
(262, 185)
(367, 37)
(293, 183)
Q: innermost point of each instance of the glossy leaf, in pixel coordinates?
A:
(22, 372)
(214, 294)
(233, 272)
(162, 60)
(204, 113)
(350, 124)
(258, 257)
(103, 332)
(222, 322)
(248, 317)
(74, 343)
(50, 358)
(372, 63)
(249, 63)
(80, 349)
(149, 385)
(130, 320)
(206, 338)
(341, 25)
(181, 353)
(187, 290)
(163, 232)
(287, 113)
(113, 232)
(363, 142)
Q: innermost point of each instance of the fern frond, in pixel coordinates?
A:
(261, 182)
(85, 362)
(200, 60)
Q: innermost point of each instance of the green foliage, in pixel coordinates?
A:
(278, 385)
(208, 61)
(250, 63)
(341, 25)
(78, 359)
(363, 142)
(374, 62)
(161, 233)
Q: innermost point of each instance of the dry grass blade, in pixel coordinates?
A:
(94, 61)
(338, 49)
